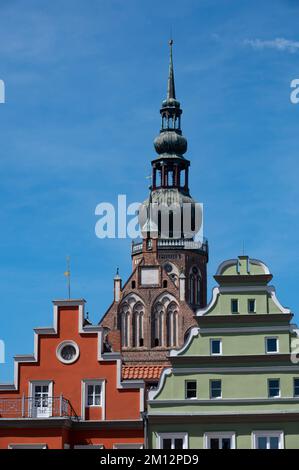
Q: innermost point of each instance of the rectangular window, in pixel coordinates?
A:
(273, 388)
(215, 347)
(234, 306)
(296, 387)
(219, 440)
(215, 389)
(271, 345)
(268, 440)
(190, 389)
(251, 306)
(172, 441)
(94, 395)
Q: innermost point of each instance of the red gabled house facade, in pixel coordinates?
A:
(70, 392)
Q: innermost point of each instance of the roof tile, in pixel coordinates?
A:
(142, 372)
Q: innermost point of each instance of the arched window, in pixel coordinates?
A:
(157, 325)
(137, 325)
(195, 286)
(164, 327)
(131, 318)
(125, 325)
(198, 290)
(172, 325)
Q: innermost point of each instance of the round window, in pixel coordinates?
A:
(67, 352)
(168, 267)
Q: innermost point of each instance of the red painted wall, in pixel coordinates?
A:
(121, 404)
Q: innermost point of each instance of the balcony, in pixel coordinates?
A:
(174, 244)
(28, 407)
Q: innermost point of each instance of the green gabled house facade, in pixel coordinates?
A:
(235, 382)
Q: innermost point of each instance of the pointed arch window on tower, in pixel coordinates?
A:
(157, 325)
(131, 322)
(125, 325)
(137, 325)
(194, 286)
(172, 325)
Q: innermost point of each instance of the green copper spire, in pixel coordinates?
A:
(170, 86)
(170, 141)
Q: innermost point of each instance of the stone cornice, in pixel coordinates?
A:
(236, 319)
(218, 418)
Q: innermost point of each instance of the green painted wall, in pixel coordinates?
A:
(264, 302)
(234, 385)
(238, 344)
(243, 433)
(244, 384)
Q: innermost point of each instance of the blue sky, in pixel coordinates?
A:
(84, 83)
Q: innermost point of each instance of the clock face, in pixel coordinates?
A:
(194, 270)
(168, 267)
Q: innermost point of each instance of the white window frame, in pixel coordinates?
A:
(277, 345)
(84, 398)
(128, 445)
(211, 350)
(256, 434)
(277, 396)
(220, 435)
(172, 435)
(251, 300)
(191, 398)
(31, 395)
(210, 384)
(27, 446)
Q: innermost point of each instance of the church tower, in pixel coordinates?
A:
(154, 310)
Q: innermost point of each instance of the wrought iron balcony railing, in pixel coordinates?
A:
(28, 407)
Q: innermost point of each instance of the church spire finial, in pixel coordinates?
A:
(170, 85)
(171, 141)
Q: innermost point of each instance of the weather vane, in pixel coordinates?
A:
(67, 274)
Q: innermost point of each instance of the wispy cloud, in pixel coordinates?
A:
(280, 44)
